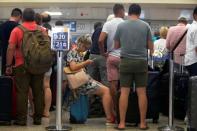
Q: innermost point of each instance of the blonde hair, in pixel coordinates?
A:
(163, 32)
(84, 40)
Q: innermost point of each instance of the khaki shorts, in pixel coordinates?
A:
(133, 71)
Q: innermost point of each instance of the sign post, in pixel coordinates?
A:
(59, 43)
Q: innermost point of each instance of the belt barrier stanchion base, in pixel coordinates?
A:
(170, 126)
(59, 126)
(63, 128)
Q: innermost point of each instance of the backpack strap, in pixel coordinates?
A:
(38, 27)
(25, 29)
(22, 28)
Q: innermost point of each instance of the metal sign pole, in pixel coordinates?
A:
(170, 126)
(60, 40)
(59, 91)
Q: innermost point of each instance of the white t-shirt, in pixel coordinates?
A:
(191, 45)
(110, 29)
(160, 48)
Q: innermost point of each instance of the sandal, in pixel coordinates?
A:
(117, 128)
(46, 116)
(144, 128)
(110, 121)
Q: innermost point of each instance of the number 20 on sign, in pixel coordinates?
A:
(60, 39)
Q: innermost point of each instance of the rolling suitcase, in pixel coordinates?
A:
(95, 107)
(7, 100)
(153, 96)
(181, 85)
(192, 105)
(132, 114)
(180, 94)
(79, 110)
(152, 91)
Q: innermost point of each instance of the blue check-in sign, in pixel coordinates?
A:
(60, 39)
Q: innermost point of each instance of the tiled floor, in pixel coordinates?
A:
(95, 124)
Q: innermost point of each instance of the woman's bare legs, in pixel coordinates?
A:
(104, 92)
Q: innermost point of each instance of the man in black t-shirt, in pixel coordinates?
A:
(5, 31)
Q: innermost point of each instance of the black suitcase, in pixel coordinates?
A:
(192, 105)
(153, 96)
(132, 114)
(180, 94)
(6, 100)
(164, 94)
(181, 86)
(95, 107)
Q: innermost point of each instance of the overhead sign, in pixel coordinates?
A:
(60, 39)
(72, 25)
(83, 27)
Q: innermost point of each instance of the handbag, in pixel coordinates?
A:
(76, 78)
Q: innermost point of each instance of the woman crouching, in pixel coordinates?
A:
(75, 60)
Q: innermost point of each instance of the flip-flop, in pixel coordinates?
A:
(144, 128)
(117, 128)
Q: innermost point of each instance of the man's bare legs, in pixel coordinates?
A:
(113, 90)
(123, 104)
(142, 101)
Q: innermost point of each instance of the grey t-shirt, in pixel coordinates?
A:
(133, 36)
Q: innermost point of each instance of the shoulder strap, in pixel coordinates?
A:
(22, 28)
(25, 29)
(39, 28)
(179, 41)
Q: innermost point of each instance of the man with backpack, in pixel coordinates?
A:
(30, 46)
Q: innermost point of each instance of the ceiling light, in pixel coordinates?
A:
(53, 13)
